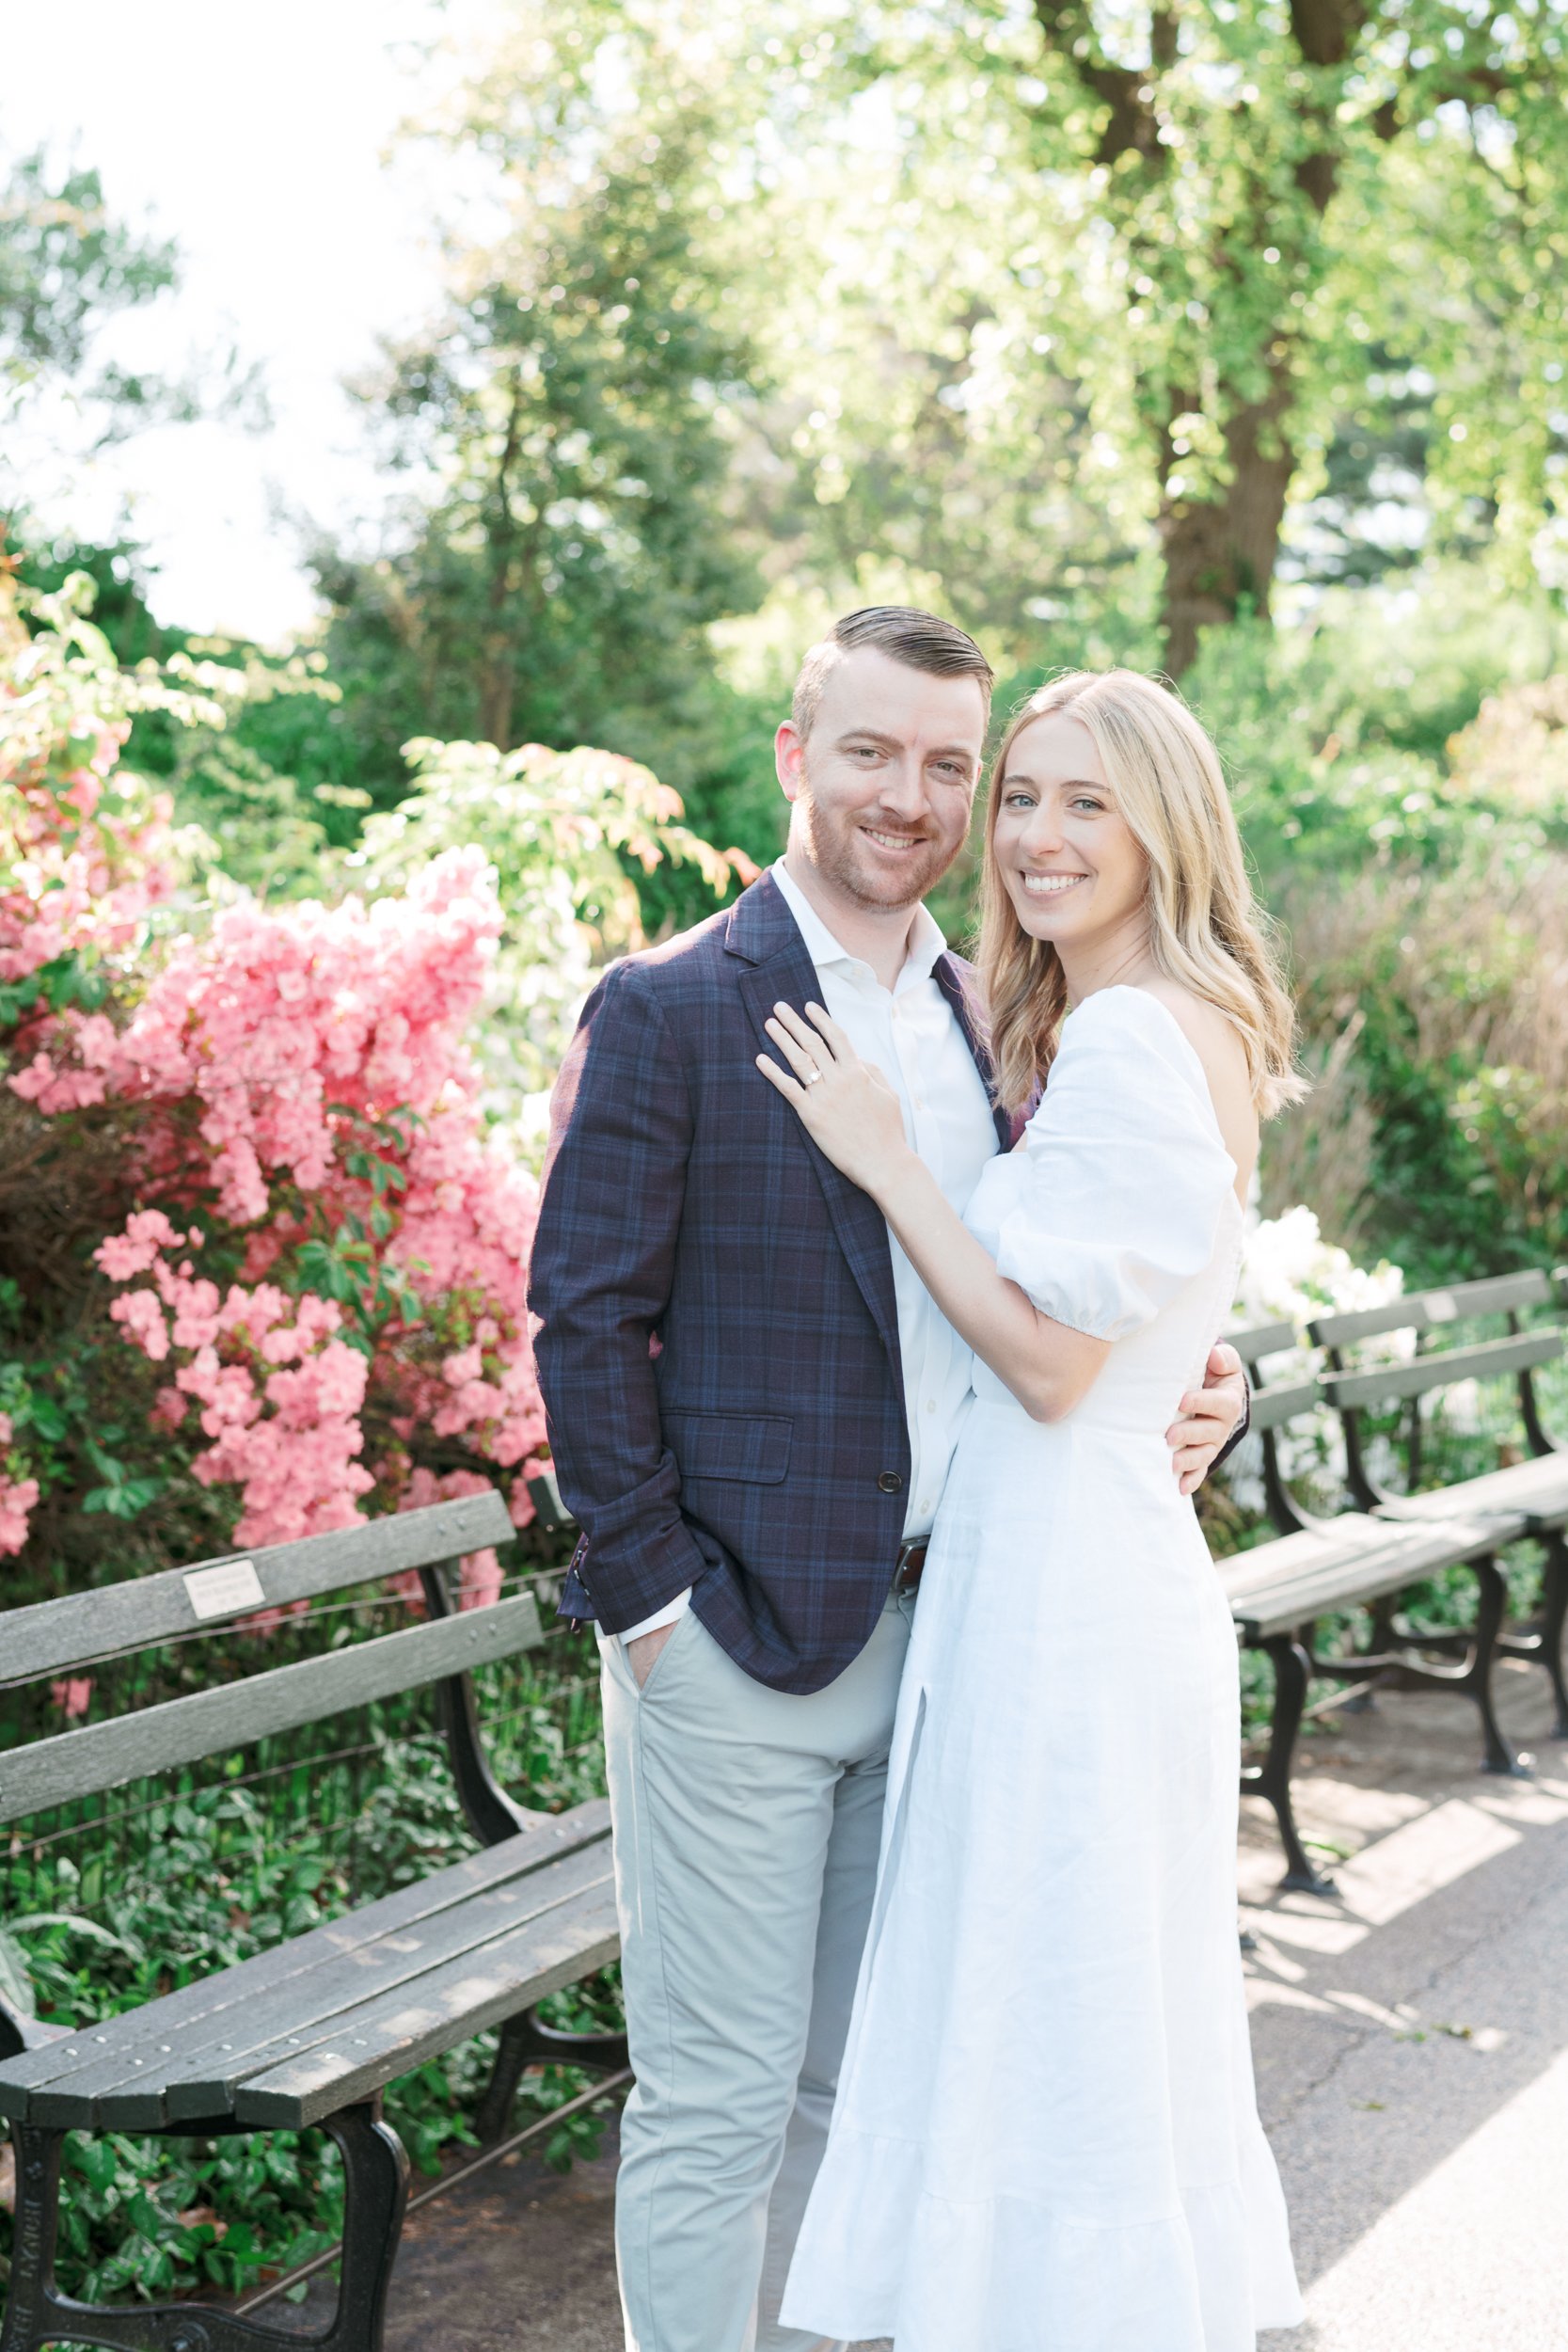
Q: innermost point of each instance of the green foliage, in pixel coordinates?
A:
(66, 265)
(1405, 803)
(556, 587)
(566, 831)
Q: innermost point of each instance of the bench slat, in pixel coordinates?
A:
(208, 2082)
(1485, 1362)
(1269, 1407)
(1346, 1564)
(98, 2059)
(1535, 1493)
(53, 1635)
(1429, 1310)
(397, 2034)
(1265, 1338)
(102, 1755)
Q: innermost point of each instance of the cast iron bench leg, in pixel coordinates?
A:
(375, 2181)
(1554, 1612)
(526, 2040)
(1491, 1614)
(36, 2231)
(1272, 1778)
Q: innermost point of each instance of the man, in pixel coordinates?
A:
(753, 1403)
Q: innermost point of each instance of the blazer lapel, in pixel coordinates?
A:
(956, 984)
(778, 966)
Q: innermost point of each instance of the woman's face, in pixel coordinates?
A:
(1069, 861)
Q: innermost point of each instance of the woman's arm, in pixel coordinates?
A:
(850, 1111)
(1049, 1367)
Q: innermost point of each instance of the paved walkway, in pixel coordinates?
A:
(1412, 2036)
(1412, 2050)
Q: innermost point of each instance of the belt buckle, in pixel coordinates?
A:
(910, 1563)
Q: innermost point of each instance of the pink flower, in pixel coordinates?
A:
(73, 1696)
(135, 1251)
(143, 1318)
(18, 1497)
(482, 1580)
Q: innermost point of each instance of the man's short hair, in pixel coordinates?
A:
(919, 639)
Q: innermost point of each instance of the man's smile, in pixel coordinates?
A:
(893, 840)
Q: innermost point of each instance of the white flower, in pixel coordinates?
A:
(1289, 1274)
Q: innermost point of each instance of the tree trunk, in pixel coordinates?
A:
(498, 683)
(497, 677)
(1220, 553)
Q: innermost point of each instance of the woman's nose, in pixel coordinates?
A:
(1042, 834)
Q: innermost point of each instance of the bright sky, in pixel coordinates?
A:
(254, 137)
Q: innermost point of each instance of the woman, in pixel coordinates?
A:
(1046, 2138)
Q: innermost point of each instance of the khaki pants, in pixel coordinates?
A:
(747, 1828)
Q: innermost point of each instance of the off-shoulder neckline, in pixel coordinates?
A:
(1195, 1060)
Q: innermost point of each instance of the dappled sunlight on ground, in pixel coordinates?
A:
(1411, 2032)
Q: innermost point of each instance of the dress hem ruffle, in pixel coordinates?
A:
(1013, 2273)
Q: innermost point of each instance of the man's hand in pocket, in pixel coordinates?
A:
(641, 1653)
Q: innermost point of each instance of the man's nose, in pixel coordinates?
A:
(903, 792)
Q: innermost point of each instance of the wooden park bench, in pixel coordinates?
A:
(312, 2030)
(1329, 1564)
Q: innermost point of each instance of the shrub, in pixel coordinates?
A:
(287, 1253)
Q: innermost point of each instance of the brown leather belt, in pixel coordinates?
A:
(912, 1558)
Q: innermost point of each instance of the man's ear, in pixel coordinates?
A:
(789, 753)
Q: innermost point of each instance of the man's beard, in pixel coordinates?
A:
(835, 854)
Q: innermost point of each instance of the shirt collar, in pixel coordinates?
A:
(926, 943)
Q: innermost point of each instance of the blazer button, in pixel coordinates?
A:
(890, 1483)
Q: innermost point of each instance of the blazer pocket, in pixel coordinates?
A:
(754, 1447)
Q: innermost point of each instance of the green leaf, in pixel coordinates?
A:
(94, 2160)
(43, 1414)
(123, 1501)
(16, 1986)
(76, 1924)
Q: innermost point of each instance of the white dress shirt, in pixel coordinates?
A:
(911, 1033)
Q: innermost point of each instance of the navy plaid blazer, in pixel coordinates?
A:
(760, 1451)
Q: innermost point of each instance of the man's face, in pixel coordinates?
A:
(883, 785)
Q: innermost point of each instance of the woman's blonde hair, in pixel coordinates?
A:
(1206, 930)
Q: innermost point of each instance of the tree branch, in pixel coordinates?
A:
(1132, 127)
(1325, 30)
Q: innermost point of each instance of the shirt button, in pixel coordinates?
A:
(931, 1405)
(890, 1483)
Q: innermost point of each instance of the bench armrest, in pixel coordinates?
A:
(19, 2032)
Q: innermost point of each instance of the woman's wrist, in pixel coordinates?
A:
(900, 1185)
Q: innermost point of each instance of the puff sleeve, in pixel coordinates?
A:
(1112, 1200)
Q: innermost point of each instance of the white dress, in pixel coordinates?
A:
(1046, 2138)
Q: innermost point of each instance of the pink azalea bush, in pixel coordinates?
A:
(322, 1258)
(305, 1087)
(306, 1108)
